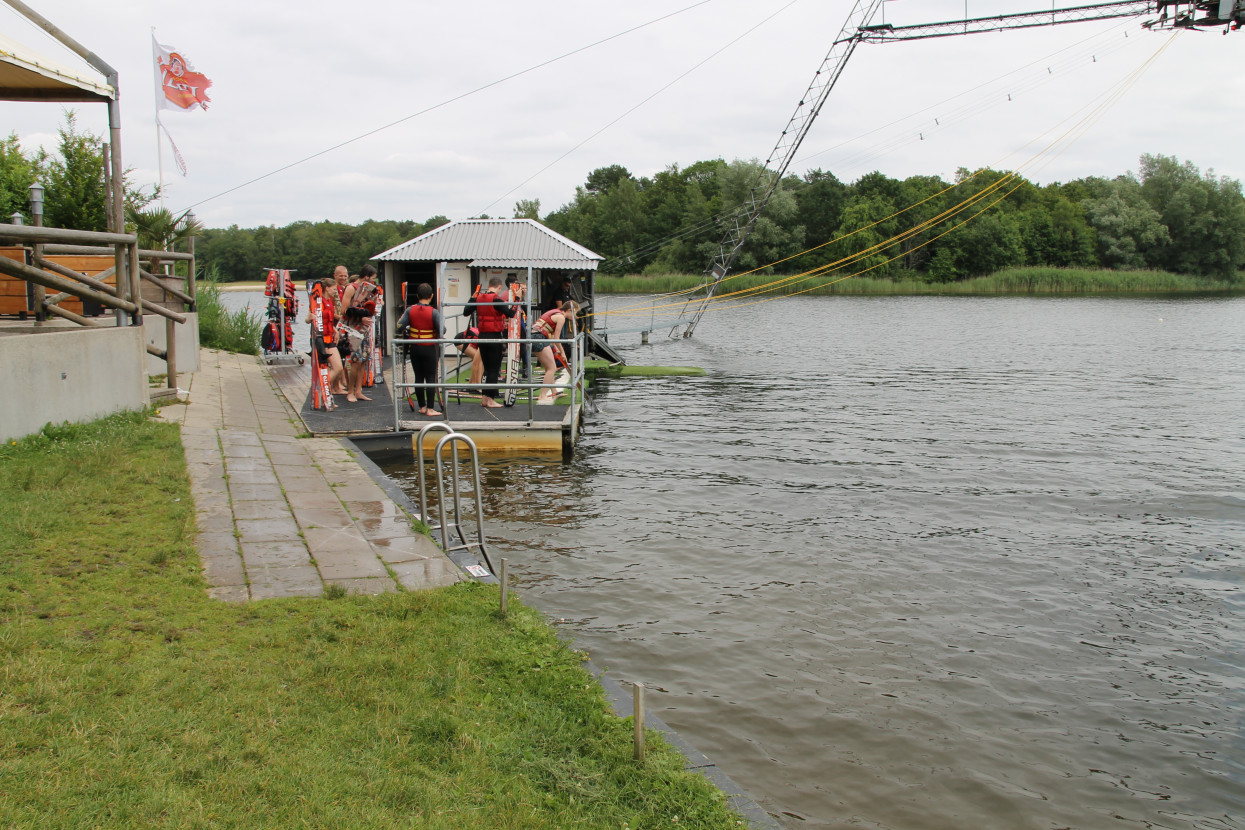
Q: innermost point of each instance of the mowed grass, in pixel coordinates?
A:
(129, 699)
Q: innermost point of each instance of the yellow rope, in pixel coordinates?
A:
(1047, 153)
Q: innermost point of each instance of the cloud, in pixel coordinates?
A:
(292, 81)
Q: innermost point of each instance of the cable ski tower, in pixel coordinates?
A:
(859, 28)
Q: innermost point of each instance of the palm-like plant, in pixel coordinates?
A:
(159, 229)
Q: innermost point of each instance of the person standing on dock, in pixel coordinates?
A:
(549, 327)
(492, 311)
(358, 308)
(324, 333)
(425, 324)
(341, 279)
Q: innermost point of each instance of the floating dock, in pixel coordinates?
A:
(522, 428)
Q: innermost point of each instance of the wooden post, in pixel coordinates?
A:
(190, 276)
(501, 577)
(638, 719)
(170, 353)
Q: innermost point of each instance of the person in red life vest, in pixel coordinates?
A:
(359, 304)
(492, 311)
(424, 323)
(549, 326)
(324, 333)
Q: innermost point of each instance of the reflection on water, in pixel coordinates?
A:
(921, 563)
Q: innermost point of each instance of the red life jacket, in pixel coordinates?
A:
(421, 322)
(491, 318)
(545, 324)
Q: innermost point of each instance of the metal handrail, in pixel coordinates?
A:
(450, 440)
(577, 370)
(423, 486)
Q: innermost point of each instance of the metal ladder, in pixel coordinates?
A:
(451, 440)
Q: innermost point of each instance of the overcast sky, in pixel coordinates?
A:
(713, 79)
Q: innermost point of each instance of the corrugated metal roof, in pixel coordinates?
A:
(495, 243)
(25, 75)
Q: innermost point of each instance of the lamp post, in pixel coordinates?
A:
(36, 204)
(36, 213)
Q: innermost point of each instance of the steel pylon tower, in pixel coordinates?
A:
(740, 224)
(1173, 14)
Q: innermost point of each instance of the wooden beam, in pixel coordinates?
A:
(48, 280)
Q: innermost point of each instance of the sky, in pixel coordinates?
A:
(500, 102)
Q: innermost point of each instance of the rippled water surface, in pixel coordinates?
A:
(919, 562)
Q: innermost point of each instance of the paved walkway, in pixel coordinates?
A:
(283, 516)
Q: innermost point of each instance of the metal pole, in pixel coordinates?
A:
(36, 212)
(638, 719)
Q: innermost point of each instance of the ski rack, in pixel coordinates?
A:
(285, 353)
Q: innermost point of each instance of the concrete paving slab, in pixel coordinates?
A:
(267, 530)
(320, 517)
(285, 554)
(350, 565)
(280, 515)
(426, 573)
(229, 593)
(224, 570)
(405, 549)
(384, 527)
(268, 509)
(322, 540)
(254, 492)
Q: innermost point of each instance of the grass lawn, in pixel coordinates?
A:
(130, 699)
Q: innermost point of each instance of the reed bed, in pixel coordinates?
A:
(1025, 280)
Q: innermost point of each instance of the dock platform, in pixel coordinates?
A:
(521, 428)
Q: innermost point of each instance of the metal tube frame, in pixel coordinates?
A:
(450, 440)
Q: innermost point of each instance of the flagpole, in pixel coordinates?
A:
(156, 104)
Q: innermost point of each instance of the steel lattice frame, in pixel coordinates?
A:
(857, 30)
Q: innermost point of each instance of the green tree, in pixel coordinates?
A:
(74, 196)
(1204, 216)
(527, 209)
(603, 179)
(18, 172)
(989, 242)
(868, 222)
(1127, 227)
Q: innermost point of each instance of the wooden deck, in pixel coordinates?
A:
(520, 428)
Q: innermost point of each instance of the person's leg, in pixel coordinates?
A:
(477, 366)
(336, 369)
(413, 352)
(491, 350)
(545, 356)
(428, 374)
(360, 375)
(341, 386)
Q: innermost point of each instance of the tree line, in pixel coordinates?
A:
(1168, 215)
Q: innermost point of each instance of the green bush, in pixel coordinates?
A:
(231, 331)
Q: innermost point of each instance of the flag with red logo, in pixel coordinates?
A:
(180, 87)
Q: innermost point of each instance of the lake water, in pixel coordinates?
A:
(919, 562)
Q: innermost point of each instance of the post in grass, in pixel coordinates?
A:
(638, 718)
(501, 578)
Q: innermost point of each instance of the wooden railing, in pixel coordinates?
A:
(125, 298)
